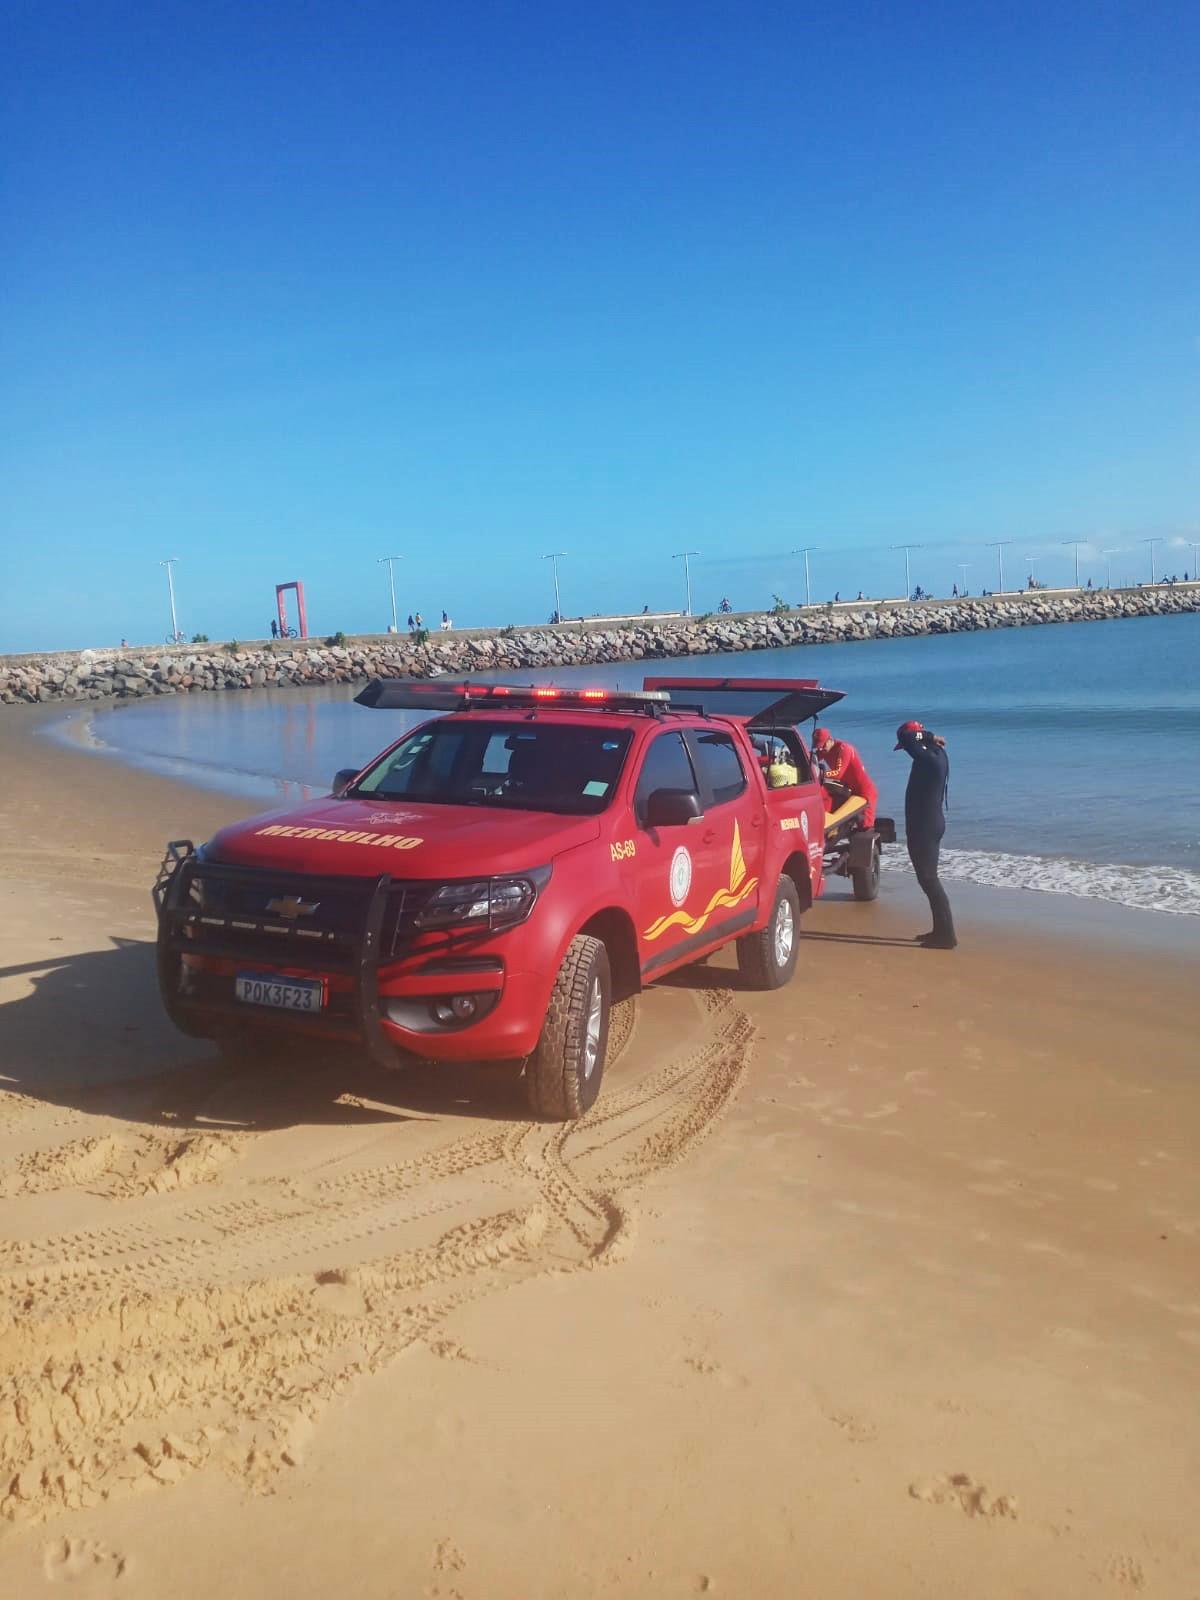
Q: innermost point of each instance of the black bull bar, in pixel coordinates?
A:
(185, 927)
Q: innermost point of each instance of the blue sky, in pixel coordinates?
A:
(287, 288)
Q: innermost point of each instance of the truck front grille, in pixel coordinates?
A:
(293, 917)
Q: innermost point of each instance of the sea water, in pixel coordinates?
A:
(1075, 748)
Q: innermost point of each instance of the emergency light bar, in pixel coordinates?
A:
(423, 694)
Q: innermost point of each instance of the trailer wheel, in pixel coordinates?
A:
(866, 877)
(767, 959)
(562, 1076)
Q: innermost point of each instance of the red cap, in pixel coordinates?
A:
(821, 737)
(907, 727)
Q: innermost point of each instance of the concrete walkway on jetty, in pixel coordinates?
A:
(139, 671)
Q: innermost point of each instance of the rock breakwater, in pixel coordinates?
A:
(186, 669)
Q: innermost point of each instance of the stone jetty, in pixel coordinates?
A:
(136, 673)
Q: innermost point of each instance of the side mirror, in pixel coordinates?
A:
(672, 808)
(342, 780)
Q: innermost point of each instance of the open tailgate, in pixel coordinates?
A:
(760, 702)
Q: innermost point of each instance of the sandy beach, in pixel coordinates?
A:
(884, 1285)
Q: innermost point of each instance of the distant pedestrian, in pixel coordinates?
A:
(925, 823)
(837, 597)
(860, 594)
(411, 623)
(954, 591)
(124, 644)
(645, 611)
(274, 629)
(446, 623)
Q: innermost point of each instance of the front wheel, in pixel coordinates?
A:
(767, 959)
(865, 879)
(562, 1076)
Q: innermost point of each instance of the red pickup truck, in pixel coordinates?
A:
(489, 885)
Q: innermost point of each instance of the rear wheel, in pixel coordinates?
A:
(767, 959)
(866, 878)
(562, 1076)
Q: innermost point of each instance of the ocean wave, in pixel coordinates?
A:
(1145, 888)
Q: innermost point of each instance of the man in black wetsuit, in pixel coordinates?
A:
(925, 823)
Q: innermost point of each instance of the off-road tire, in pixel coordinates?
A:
(558, 1086)
(761, 959)
(865, 880)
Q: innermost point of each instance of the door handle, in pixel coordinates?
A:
(708, 838)
(756, 821)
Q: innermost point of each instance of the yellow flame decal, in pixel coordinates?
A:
(680, 919)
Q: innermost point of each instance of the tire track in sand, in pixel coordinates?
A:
(214, 1334)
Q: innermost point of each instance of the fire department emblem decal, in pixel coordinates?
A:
(681, 875)
(804, 823)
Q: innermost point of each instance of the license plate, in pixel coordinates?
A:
(286, 994)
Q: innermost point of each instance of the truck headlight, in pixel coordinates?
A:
(492, 903)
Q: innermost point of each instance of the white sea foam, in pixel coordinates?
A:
(1146, 888)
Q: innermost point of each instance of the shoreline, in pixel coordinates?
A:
(886, 1267)
(48, 773)
(1154, 889)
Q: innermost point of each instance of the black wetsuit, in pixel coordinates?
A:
(925, 823)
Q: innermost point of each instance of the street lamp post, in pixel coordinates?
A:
(1195, 546)
(999, 546)
(1152, 543)
(964, 567)
(1031, 562)
(685, 556)
(1076, 543)
(554, 558)
(805, 551)
(1108, 555)
(390, 563)
(907, 574)
(170, 564)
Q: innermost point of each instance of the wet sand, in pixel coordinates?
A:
(883, 1285)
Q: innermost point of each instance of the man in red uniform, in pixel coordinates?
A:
(844, 765)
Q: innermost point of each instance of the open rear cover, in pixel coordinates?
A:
(762, 702)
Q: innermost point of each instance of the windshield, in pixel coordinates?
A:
(526, 766)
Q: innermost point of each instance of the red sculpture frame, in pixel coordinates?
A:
(281, 605)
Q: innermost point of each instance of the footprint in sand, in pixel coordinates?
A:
(67, 1560)
(706, 1367)
(1127, 1570)
(447, 1557)
(960, 1489)
(858, 1430)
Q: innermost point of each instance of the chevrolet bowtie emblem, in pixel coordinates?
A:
(290, 906)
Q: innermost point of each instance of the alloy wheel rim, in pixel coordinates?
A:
(591, 1040)
(785, 932)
